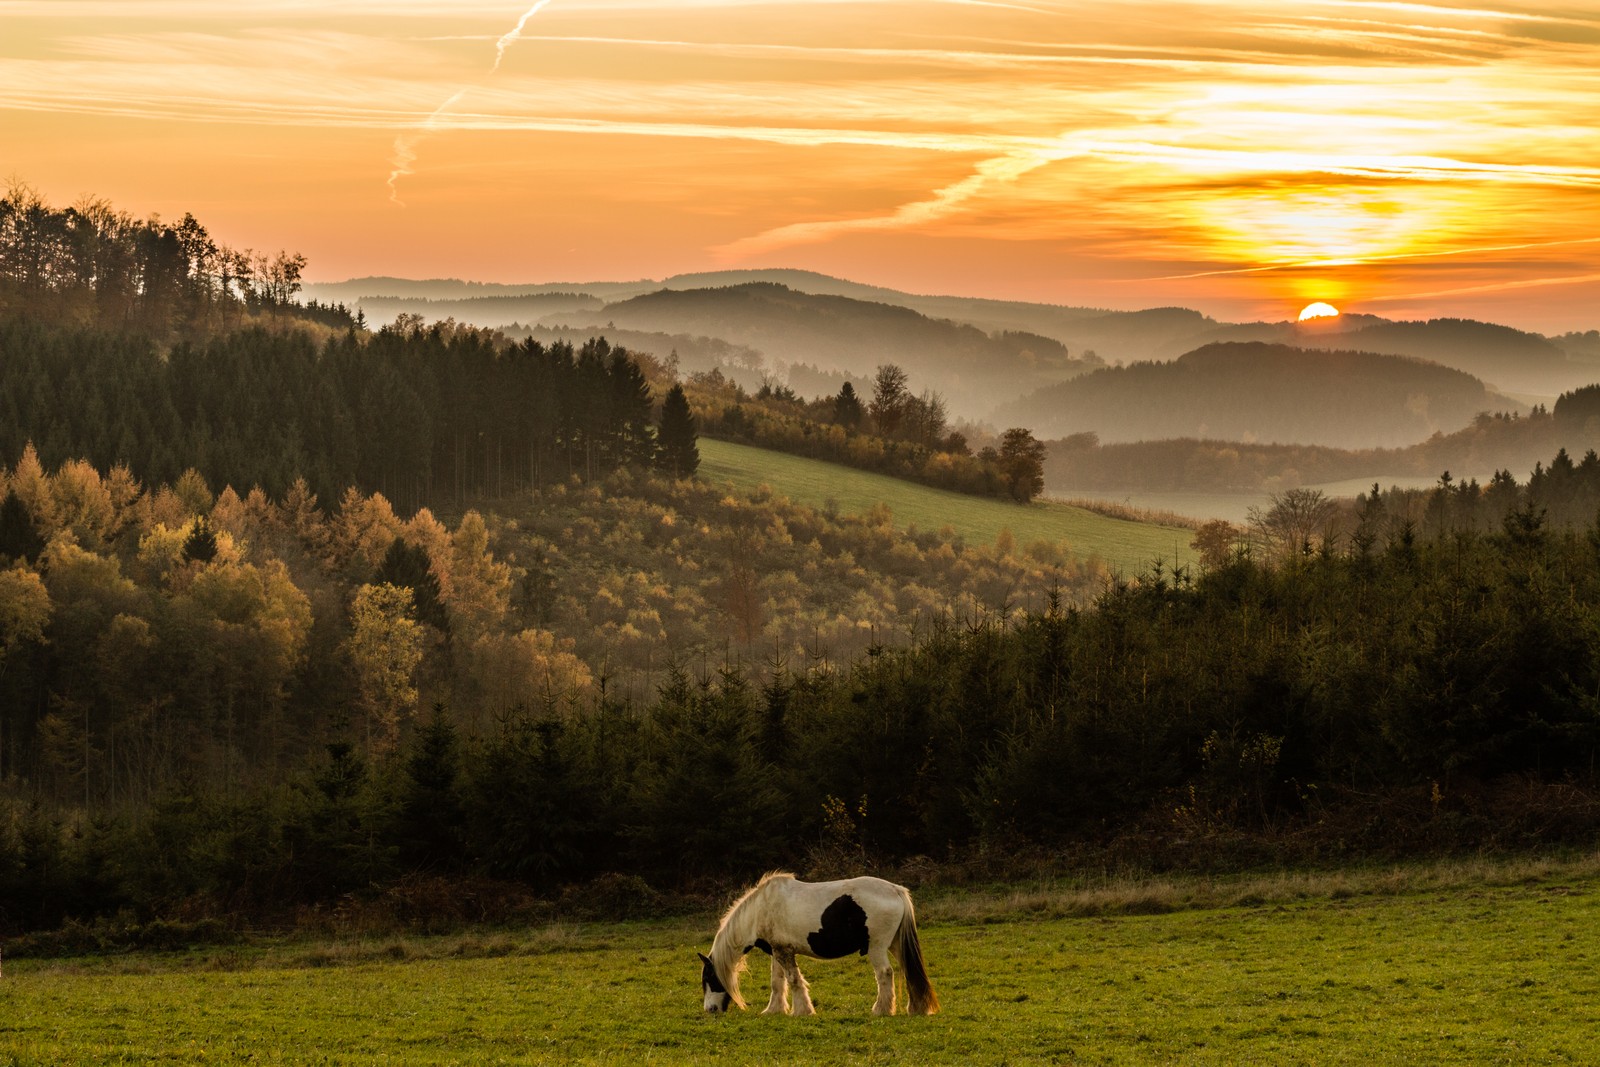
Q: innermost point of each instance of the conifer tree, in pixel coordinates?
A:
(409, 567)
(847, 409)
(18, 538)
(677, 453)
(201, 545)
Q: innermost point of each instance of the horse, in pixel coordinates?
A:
(785, 917)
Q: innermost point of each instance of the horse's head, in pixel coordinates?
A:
(717, 997)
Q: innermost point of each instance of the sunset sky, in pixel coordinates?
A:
(1405, 159)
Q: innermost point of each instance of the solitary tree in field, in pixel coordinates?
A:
(676, 451)
(1021, 463)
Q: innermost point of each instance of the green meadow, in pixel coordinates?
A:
(1379, 969)
(1126, 545)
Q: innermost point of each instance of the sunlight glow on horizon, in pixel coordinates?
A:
(1230, 156)
(1318, 310)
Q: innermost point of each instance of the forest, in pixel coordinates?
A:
(294, 615)
(1249, 391)
(204, 735)
(1490, 442)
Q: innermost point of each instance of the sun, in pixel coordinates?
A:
(1319, 310)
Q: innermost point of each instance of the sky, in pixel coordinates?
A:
(1405, 159)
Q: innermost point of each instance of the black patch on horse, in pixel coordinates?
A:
(708, 977)
(760, 943)
(844, 930)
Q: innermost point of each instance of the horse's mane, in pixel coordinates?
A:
(727, 952)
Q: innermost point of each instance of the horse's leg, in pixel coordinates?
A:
(802, 991)
(878, 955)
(778, 1003)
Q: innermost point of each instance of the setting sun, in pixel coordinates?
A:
(1427, 159)
(1319, 310)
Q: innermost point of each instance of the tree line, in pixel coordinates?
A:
(423, 415)
(1360, 698)
(895, 431)
(94, 264)
(1491, 441)
(154, 633)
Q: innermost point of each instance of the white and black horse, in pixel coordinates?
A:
(785, 918)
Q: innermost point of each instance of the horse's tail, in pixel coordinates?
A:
(924, 1001)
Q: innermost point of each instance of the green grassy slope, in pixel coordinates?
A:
(1491, 974)
(1127, 546)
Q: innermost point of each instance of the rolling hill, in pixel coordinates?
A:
(1126, 546)
(1256, 392)
(974, 370)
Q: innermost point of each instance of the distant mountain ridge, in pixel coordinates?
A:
(973, 369)
(1259, 392)
(976, 376)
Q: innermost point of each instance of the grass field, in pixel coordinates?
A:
(1428, 971)
(1127, 546)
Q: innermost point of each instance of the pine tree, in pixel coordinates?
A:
(677, 453)
(18, 538)
(847, 409)
(201, 545)
(631, 402)
(408, 567)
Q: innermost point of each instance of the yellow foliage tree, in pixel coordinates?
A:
(385, 649)
(480, 586)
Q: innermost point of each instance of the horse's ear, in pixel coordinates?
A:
(703, 957)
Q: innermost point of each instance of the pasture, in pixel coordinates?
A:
(1409, 970)
(1127, 546)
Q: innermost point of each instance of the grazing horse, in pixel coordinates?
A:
(785, 918)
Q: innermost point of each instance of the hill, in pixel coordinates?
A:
(1510, 360)
(487, 311)
(1126, 546)
(973, 369)
(1255, 392)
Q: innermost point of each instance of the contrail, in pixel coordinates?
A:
(505, 42)
(405, 145)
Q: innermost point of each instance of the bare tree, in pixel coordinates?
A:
(1297, 522)
(889, 399)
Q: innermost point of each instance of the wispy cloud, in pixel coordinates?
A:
(509, 38)
(1234, 140)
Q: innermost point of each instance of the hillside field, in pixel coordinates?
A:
(1429, 971)
(1127, 546)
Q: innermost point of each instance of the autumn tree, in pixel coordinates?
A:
(1214, 541)
(24, 613)
(1021, 462)
(384, 650)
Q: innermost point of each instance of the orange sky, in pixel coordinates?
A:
(1409, 159)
